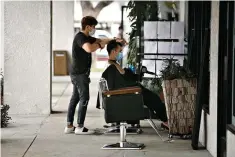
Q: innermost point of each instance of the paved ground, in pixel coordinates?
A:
(42, 136)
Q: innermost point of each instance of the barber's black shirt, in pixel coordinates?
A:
(81, 60)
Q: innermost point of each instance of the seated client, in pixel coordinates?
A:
(117, 77)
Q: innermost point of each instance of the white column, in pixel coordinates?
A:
(27, 49)
(230, 144)
(63, 26)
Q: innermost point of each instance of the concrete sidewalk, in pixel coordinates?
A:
(43, 136)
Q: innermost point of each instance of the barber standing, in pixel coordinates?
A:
(83, 45)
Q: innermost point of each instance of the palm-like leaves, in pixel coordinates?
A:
(173, 70)
(148, 10)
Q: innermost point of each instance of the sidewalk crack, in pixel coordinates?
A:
(30, 146)
(37, 132)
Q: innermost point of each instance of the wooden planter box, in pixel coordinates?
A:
(180, 100)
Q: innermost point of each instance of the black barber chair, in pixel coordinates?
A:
(115, 129)
(122, 105)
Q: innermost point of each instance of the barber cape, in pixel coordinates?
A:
(116, 80)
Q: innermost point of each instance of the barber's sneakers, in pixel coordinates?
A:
(69, 130)
(83, 131)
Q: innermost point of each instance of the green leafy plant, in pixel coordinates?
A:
(173, 70)
(153, 84)
(132, 47)
(147, 11)
(4, 107)
(4, 115)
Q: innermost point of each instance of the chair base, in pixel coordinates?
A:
(126, 146)
(157, 129)
(130, 131)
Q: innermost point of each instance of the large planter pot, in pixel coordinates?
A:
(180, 100)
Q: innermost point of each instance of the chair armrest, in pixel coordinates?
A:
(121, 91)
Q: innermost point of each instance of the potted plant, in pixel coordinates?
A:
(179, 88)
(4, 107)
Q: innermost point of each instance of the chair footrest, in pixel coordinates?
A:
(125, 145)
(128, 131)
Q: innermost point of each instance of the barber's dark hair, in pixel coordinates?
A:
(88, 21)
(112, 45)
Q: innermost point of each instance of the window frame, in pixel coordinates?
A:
(233, 71)
(233, 78)
(231, 115)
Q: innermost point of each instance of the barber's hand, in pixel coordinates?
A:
(123, 41)
(102, 44)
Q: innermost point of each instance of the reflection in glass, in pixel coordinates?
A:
(164, 31)
(150, 30)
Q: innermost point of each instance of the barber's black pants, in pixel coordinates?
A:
(153, 102)
(80, 94)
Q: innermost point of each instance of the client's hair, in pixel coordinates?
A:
(112, 45)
